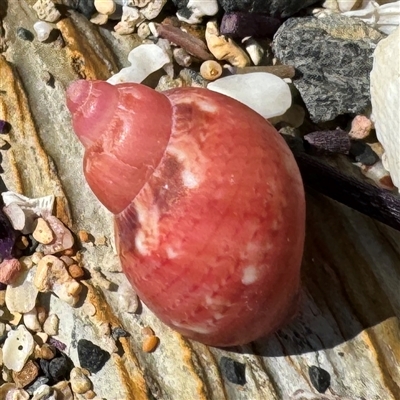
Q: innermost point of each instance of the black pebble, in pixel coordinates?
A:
(91, 356)
(233, 371)
(24, 34)
(60, 367)
(320, 378)
(5, 126)
(363, 153)
(118, 332)
(86, 7)
(44, 366)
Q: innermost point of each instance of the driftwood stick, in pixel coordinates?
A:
(366, 198)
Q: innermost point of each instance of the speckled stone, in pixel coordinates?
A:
(333, 58)
(91, 356)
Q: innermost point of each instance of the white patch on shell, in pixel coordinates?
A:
(189, 180)
(250, 275)
(148, 235)
(201, 328)
(171, 253)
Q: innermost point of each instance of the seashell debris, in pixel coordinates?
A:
(17, 348)
(385, 99)
(145, 59)
(269, 95)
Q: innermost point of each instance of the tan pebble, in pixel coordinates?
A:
(28, 374)
(16, 318)
(9, 270)
(36, 257)
(150, 343)
(106, 7)
(99, 19)
(224, 48)
(80, 383)
(26, 262)
(100, 241)
(41, 313)
(84, 236)
(68, 252)
(210, 70)
(2, 298)
(46, 11)
(43, 233)
(2, 328)
(63, 390)
(50, 326)
(76, 271)
(147, 331)
(77, 257)
(90, 395)
(22, 243)
(47, 352)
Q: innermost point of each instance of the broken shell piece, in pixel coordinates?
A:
(46, 11)
(43, 30)
(145, 59)
(254, 50)
(131, 17)
(42, 233)
(63, 238)
(31, 320)
(16, 216)
(265, 93)
(52, 276)
(17, 348)
(152, 9)
(224, 48)
(21, 294)
(32, 208)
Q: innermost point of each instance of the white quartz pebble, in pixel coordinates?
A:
(43, 30)
(145, 59)
(385, 99)
(263, 92)
(17, 348)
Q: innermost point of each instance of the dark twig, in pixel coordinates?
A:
(366, 198)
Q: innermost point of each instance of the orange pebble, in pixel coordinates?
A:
(150, 343)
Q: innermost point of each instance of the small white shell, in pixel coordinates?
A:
(145, 59)
(43, 30)
(263, 92)
(17, 348)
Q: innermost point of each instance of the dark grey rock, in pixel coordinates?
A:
(333, 60)
(91, 356)
(233, 370)
(274, 8)
(242, 24)
(319, 378)
(363, 153)
(25, 34)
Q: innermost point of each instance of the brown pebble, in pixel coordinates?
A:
(210, 70)
(68, 252)
(150, 343)
(282, 71)
(47, 352)
(76, 271)
(100, 241)
(28, 374)
(9, 270)
(84, 236)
